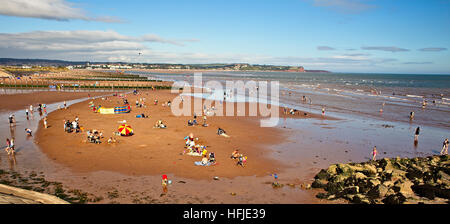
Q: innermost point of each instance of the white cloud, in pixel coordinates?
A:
(48, 9)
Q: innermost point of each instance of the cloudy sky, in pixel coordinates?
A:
(395, 36)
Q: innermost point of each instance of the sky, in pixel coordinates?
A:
(373, 36)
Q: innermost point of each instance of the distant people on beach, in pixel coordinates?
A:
(29, 132)
(411, 115)
(374, 153)
(12, 120)
(45, 123)
(323, 111)
(10, 146)
(416, 135)
(444, 150)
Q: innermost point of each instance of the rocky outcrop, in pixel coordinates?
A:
(388, 181)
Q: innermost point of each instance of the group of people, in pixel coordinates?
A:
(241, 159)
(199, 150)
(194, 122)
(73, 126)
(94, 136)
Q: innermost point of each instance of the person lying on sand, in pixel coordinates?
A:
(235, 154)
(222, 132)
(159, 124)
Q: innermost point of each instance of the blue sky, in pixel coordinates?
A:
(398, 36)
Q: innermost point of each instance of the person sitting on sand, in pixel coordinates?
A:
(190, 123)
(241, 160)
(235, 154)
(204, 160)
(28, 131)
(212, 158)
(111, 140)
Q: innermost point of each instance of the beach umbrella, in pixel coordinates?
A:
(125, 129)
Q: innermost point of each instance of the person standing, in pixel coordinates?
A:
(8, 143)
(45, 122)
(416, 136)
(445, 144)
(374, 153)
(26, 113)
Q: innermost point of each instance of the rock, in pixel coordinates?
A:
(351, 190)
(385, 164)
(322, 175)
(373, 182)
(431, 192)
(404, 187)
(332, 170)
(378, 191)
(318, 183)
(344, 169)
(370, 170)
(334, 187)
(394, 199)
(360, 176)
(360, 199)
(322, 195)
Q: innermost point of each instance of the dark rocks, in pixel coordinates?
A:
(389, 181)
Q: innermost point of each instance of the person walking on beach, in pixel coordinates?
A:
(8, 143)
(11, 120)
(445, 144)
(411, 115)
(11, 147)
(323, 111)
(416, 136)
(45, 122)
(65, 105)
(374, 153)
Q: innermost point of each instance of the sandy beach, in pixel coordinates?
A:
(152, 151)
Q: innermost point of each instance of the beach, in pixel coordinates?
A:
(130, 170)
